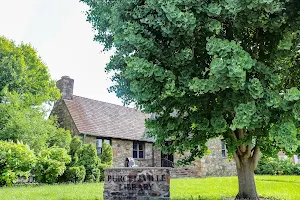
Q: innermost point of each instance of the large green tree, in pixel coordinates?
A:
(25, 86)
(22, 71)
(210, 68)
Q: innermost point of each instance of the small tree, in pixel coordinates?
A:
(208, 69)
(106, 159)
(106, 156)
(87, 157)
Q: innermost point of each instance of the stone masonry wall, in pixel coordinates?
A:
(214, 164)
(123, 149)
(63, 117)
(210, 165)
(136, 183)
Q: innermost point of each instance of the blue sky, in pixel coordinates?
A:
(58, 30)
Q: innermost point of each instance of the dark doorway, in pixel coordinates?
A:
(167, 160)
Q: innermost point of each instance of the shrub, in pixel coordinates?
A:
(75, 145)
(87, 157)
(275, 166)
(75, 174)
(16, 160)
(59, 137)
(101, 168)
(296, 169)
(107, 156)
(106, 159)
(51, 164)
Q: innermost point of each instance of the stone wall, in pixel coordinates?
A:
(214, 164)
(123, 149)
(89, 139)
(64, 118)
(136, 183)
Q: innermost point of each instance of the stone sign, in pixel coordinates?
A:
(137, 183)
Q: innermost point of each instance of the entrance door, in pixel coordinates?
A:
(167, 160)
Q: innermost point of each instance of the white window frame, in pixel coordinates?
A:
(137, 150)
(223, 149)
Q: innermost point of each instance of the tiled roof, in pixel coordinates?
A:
(103, 119)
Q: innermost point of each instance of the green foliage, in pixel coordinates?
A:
(51, 164)
(87, 157)
(25, 85)
(23, 72)
(296, 170)
(28, 124)
(226, 68)
(277, 166)
(106, 156)
(16, 161)
(75, 174)
(101, 168)
(75, 145)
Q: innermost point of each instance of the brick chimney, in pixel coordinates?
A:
(65, 85)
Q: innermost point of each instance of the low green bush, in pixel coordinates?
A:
(101, 168)
(75, 174)
(51, 164)
(296, 169)
(276, 166)
(16, 161)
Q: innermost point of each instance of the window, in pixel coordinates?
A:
(138, 150)
(224, 150)
(99, 142)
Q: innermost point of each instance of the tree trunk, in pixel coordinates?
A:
(247, 188)
(246, 159)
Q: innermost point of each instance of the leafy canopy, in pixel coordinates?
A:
(25, 86)
(207, 69)
(23, 72)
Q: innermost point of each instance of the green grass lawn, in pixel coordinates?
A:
(273, 187)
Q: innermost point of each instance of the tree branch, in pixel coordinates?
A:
(241, 136)
(248, 151)
(255, 157)
(237, 160)
(243, 148)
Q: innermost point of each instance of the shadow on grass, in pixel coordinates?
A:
(202, 198)
(222, 198)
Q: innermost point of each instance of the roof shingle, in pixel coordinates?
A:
(107, 120)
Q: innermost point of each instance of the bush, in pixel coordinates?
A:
(106, 159)
(87, 157)
(276, 166)
(107, 156)
(101, 168)
(16, 161)
(75, 174)
(75, 145)
(51, 164)
(296, 169)
(59, 137)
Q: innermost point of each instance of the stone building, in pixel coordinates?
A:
(124, 129)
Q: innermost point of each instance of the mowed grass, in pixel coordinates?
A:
(269, 187)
